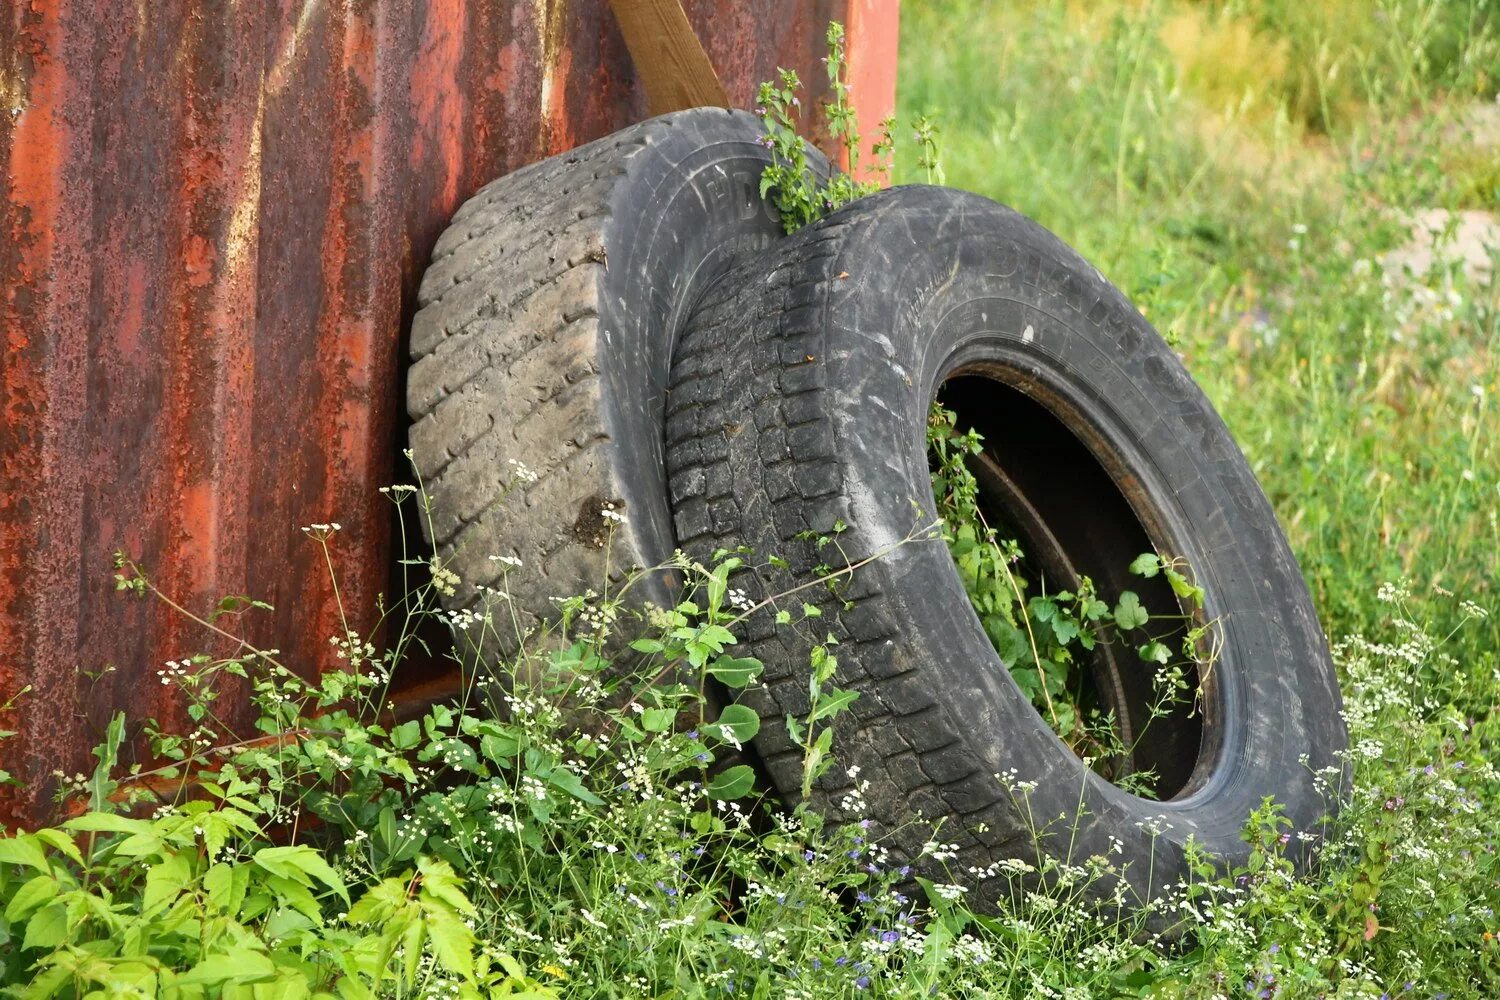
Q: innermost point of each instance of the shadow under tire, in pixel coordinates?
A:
(799, 401)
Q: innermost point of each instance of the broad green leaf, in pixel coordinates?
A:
(452, 940)
(166, 880)
(99, 822)
(301, 864)
(735, 672)
(1129, 613)
(24, 851)
(47, 928)
(1185, 588)
(60, 842)
(1147, 564)
(739, 722)
(407, 735)
(1156, 652)
(39, 890)
(1010, 642)
(734, 783)
(658, 720)
(1042, 609)
(239, 965)
(573, 785)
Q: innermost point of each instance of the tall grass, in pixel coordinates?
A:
(1240, 169)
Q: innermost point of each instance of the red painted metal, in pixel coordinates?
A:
(212, 218)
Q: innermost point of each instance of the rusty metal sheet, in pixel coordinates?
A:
(213, 214)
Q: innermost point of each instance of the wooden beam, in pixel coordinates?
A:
(668, 57)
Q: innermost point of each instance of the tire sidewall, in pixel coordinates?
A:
(940, 281)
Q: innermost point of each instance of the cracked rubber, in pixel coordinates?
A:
(543, 337)
(799, 400)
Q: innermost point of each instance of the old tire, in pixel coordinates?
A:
(544, 335)
(799, 399)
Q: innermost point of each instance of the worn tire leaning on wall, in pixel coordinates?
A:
(799, 400)
(543, 337)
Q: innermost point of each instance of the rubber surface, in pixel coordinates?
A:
(544, 335)
(799, 398)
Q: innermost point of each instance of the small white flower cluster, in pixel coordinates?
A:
(350, 647)
(513, 562)
(952, 893)
(940, 851)
(852, 803)
(1154, 825)
(322, 530)
(1393, 593)
(520, 473)
(444, 580)
(463, 620)
(596, 621)
(175, 670)
(738, 599)
(609, 513)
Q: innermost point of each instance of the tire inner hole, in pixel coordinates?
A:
(1040, 484)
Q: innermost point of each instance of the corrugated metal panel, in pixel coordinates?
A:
(213, 218)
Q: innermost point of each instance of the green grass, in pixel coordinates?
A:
(1252, 239)
(1239, 169)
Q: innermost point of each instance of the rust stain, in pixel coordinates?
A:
(213, 218)
(282, 70)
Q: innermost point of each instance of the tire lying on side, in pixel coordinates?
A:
(799, 402)
(541, 349)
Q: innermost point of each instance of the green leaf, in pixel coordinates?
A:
(108, 752)
(24, 851)
(225, 891)
(1009, 641)
(1129, 613)
(1065, 628)
(407, 735)
(166, 880)
(60, 842)
(48, 928)
(735, 672)
(452, 940)
(1156, 652)
(831, 704)
(39, 890)
(734, 783)
(500, 749)
(739, 722)
(239, 965)
(647, 646)
(1185, 588)
(99, 822)
(573, 785)
(658, 720)
(301, 864)
(1147, 564)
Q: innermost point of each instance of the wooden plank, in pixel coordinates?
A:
(669, 59)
